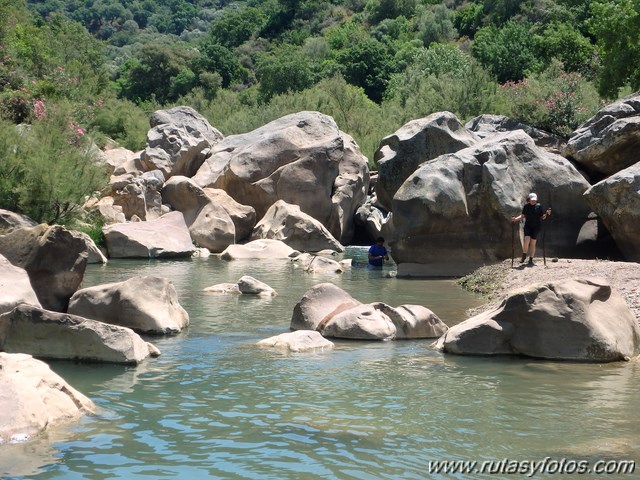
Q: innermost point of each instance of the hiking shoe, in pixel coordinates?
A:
(530, 263)
(523, 258)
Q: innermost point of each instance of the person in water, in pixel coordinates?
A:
(378, 253)
(533, 215)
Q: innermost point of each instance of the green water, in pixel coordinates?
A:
(215, 406)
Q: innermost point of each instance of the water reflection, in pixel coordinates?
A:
(215, 406)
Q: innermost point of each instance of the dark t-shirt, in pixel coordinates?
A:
(377, 251)
(533, 214)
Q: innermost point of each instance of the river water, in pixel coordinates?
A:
(215, 406)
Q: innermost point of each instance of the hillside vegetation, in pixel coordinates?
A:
(79, 72)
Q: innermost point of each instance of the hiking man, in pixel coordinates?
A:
(378, 253)
(533, 215)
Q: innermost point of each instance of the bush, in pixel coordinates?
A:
(121, 120)
(48, 168)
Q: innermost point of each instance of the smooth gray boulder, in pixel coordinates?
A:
(242, 216)
(414, 143)
(46, 334)
(298, 341)
(303, 159)
(144, 304)
(287, 223)
(363, 322)
(33, 398)
(453, 214)
(415, 321)
(319, 302)
(178, 142)
(15, 287)
(610, 140)
(116, 158)
(259, 250)
(486, 125)
(616, 200)
(578, 319)
(54, 259)
(168, 236)
(10, 220)
(209, 223)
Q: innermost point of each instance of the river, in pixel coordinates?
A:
(214, 406)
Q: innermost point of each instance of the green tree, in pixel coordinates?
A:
(153, 73)
(616, 26)
(565, 43)
(367, 64)
(510, 52)
(284, 69)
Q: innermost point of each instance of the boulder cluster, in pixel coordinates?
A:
(443, 196)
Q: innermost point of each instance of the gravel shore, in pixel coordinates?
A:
(494, 281)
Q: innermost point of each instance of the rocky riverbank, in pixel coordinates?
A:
(494, 281)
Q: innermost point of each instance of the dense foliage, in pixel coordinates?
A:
(371, 64)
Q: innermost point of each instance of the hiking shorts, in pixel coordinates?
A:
(531, 231)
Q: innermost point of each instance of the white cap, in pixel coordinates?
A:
(533, 196)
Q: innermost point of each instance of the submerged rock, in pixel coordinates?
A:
(299, 341)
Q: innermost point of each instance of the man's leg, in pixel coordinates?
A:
(525, 248)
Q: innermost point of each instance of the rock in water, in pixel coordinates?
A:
(258, 250)
(33, 398)
(299, 341)
(322, 300)
(580, 319)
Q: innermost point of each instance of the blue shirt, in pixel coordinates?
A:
(377, 251)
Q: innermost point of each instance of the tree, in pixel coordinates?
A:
(565, 43)
(367, 64)
(152, 73)
(284, 69)
(509, 52)
(616, 26)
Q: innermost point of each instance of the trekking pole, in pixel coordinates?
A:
(544, 235)
(513, 234)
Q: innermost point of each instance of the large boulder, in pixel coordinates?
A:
(416, 142)
(144, 304)
(34, 398)
(453, 213)
(299, 159)
(610, 140)
(138, 196)
(60, 336)
(319, 302)
(168, 236)
(416, 321)
(578, 319)
(289, 224)
(54, 259)
(363, 322)
(10, 220)
(209, 223)
(15, 287)
(242, 216)
(486, 125)
(617, 202)
(299, 341)
(179, 141)
(258, 250)
(373, 223)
